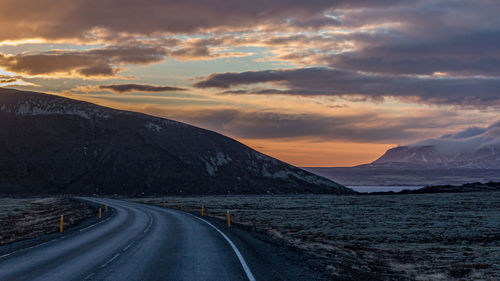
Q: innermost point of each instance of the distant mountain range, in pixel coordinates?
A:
(472, 155)
(55, 145)
(475, 148)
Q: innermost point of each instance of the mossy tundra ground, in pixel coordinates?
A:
(414, 237)
(22, 219)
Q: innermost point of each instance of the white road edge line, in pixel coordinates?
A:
(6, 255)
(149, 225)
(110, 261)
(236, 251)
(128, 246)
(28, 248)
(95, 224)
(88, 276)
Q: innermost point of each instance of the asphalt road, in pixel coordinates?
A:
(139, 242)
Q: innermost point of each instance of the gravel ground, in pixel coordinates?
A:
(28, 218)
(413, 237)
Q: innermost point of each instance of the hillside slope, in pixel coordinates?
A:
(51, 144)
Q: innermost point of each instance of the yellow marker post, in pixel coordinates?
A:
(163, 203)
(61, 226)
(100, 214)
(202, 207)
(228, 219)
(105, 208)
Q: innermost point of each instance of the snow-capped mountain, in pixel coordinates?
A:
(472, 148)
(51, 144)
(472, 155)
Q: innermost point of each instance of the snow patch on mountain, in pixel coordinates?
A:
(152, 126)
(40, 105)
(213, 162)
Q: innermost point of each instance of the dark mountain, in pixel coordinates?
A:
(51, 144)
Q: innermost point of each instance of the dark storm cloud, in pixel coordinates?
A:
(228, 79)
(374, 48)
(314, 23)
(474, 53)
(72, 19)
(123, 88)
(95, 62)
(384, 36)
(429, 19)
(335, 82)
(458, 38)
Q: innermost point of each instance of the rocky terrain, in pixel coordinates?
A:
(55, 145)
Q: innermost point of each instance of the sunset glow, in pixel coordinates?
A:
(312, 83)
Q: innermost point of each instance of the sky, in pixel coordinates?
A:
(312, 83)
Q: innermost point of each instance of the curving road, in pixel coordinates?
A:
(138, 243)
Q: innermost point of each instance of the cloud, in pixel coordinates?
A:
(203, 49)
(107, 61)
(470, 140)
(76, 19)
(471, 53)
(7, 79)
(450, 38)
(468, 54)
(89, 63)
(123, 88)
(418, 37)
(467, 133)
(477, 92)
(360, 126)
(432, 52)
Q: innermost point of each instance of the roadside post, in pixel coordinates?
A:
(106, 208)
(202, 207)
(228, 219)
(163, 203)
(100, 213)
(61, 225)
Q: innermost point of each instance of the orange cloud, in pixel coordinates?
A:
(90, 63)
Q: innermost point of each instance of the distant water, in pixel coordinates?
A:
(382, 188)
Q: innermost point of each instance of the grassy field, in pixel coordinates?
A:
(27, 218)
(416, 237)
